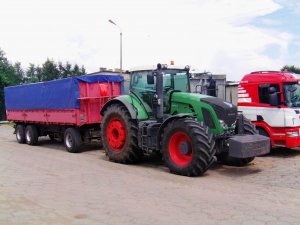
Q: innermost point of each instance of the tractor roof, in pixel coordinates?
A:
(154, 67)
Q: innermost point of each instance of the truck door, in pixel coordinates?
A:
(272, 115)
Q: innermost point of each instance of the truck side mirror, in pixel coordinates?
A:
(273, 99)
(150, 78)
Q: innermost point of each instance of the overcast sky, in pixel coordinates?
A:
(231, 37)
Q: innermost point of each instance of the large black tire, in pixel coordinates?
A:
(120, 135)
(31, 135)
(20, 134)
(225, 159)
(72, 140)
(187, 147)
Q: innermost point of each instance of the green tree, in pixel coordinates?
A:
(31, 74)
(39, 73)
(68, 69)
(50, 70)
(83, 70)
(76, 71)
(9, 75)
(19, 73)
(294, 69)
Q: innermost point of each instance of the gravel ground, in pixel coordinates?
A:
(46, 185)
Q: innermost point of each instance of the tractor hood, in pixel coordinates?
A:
(224, 110)
(211, 108)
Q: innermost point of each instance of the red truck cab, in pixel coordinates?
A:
(271, 100)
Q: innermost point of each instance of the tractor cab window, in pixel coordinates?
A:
(139, 83)
(173, 79)
(291, 94)
(176, 80)
(140, 87)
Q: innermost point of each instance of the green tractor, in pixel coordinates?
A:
(189, 130)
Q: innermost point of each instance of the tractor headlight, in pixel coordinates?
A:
(223, 124)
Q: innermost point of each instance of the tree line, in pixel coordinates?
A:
(14, 74)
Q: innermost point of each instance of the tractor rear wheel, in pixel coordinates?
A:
(120, 135)
(187, 147)
(225, 159)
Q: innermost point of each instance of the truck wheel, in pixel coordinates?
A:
(31, 135)
(72, 140)
(187, 147)
(225, 159)
(119, 135)
(20, 133)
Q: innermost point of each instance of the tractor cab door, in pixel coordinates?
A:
(141, 88)
(147, 90)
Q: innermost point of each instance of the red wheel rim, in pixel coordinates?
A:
(116, 134)
(180, 148)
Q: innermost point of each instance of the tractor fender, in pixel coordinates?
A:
(165, 123)
(129, 107)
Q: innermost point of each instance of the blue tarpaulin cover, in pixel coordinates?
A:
(56, 94)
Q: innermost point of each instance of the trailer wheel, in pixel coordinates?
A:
(120, 135)
(225, 159)
(72, 140)
(20, 133)
(31, 135)
(187, 147)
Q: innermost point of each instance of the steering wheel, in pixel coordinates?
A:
(294, 97)
(167, 88)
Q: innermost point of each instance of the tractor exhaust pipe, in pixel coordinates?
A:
(159, 92)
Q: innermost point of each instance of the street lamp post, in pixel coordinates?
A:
(112, 22)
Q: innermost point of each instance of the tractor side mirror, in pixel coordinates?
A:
(150, 78)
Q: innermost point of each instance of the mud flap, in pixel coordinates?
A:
(245, 146)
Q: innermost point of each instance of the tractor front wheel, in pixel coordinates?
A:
(120, 135)
(187, 147)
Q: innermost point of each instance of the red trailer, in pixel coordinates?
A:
(67, 109)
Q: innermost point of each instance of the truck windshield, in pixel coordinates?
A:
(292, 94)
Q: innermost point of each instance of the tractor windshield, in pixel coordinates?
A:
(176, 80)
(291, 94)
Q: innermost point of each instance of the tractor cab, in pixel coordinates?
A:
(143, 84)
